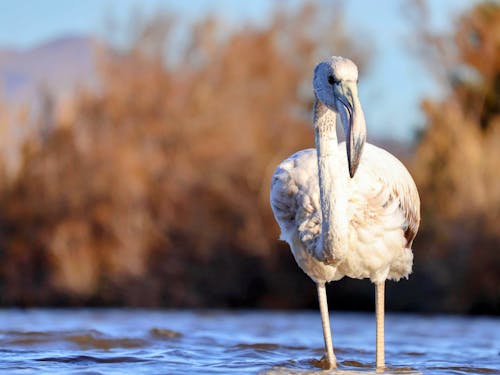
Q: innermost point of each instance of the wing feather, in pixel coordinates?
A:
(397, 189)
(295, 198)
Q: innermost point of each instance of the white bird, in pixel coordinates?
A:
(352, 216)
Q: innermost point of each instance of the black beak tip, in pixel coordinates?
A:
(352, 170)
(354, 151)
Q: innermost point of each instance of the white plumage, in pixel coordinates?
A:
(382, 206)
(371, 218)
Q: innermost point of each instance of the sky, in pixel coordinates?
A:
(391, 92)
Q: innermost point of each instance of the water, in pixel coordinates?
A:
(187, 342)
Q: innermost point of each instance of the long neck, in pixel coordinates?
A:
(332, 186)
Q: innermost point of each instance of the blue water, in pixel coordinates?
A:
(187, 342)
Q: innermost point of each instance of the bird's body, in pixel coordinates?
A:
(352, 216)
(382, 214)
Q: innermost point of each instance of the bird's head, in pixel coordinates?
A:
(335, 85)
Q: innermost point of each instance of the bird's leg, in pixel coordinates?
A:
(325, 320)
(379, 312)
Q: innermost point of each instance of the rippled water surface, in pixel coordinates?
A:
(169, 342)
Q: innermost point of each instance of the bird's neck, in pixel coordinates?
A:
(332, 186)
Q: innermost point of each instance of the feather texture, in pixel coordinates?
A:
(383, 212)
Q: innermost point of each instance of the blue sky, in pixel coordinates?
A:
(390, 93)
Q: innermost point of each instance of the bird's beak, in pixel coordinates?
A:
(353, 121)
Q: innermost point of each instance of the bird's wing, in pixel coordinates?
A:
(383, 186)
(295, 198)
(393, 190)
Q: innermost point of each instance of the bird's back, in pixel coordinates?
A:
(383, 214)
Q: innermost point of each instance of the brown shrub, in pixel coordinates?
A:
(156, 192)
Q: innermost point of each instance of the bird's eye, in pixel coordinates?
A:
(332, 80)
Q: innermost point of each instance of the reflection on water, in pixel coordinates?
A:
(166, 342)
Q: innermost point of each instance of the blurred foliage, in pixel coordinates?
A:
(457, 161)
(153, 189)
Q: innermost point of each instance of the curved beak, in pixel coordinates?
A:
(353, 121)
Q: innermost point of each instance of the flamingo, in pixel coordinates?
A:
(354, 216)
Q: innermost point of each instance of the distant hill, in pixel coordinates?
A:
(58, 65)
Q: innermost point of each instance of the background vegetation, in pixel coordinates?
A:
(152, 190)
